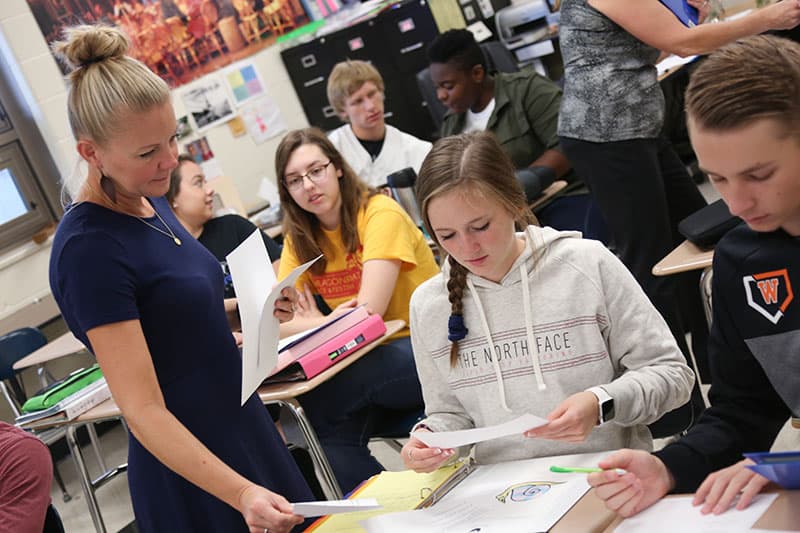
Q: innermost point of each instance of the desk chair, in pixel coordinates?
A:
(52, 521)
(13, 347)
(389, 426)
(498, 59)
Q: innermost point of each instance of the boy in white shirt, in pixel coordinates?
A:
(371, 147)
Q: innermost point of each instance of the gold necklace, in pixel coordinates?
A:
(170, 234)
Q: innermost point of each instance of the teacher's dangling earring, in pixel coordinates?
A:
(107, 184)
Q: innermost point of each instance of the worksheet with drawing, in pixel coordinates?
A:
(518, 496)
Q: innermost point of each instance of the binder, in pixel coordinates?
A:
(397, 492)
(330, 352)
(461, 470)
(687, 14)
(70, 407)
(55, 392)
(293, 347)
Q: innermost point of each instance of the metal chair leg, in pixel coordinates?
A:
(96, 447)
(327, 479)
(86, 481)
(60, 482)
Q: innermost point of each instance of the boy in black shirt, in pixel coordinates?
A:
(744, 122)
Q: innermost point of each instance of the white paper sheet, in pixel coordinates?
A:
(511, 497)
(662, 517)
(323, 508)
(454, 439)
(253, 279)
(672, 62)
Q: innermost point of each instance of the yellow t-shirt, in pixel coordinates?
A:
(385, 231)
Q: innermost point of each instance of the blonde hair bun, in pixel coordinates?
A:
(86, 45)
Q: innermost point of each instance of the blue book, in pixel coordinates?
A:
(681, 9)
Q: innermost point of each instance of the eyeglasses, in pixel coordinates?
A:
(315, 174)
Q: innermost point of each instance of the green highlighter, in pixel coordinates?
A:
(580, 470)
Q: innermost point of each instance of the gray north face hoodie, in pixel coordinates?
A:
(568, 316)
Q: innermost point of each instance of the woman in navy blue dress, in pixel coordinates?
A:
(147, 299)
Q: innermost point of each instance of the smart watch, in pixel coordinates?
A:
(605, 404)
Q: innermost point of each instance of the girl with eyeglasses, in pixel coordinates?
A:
(373, 254)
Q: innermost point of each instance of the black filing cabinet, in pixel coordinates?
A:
(394, 41)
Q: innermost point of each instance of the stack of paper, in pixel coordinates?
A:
(664, 516)
(256, 292)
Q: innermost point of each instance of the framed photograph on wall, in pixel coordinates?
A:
(208, 103)
(180, 40)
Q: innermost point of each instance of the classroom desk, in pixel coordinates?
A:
(589, 515)
(273, 230)
(66, 344)
(685, 257)
(284, 394)
(548, 194)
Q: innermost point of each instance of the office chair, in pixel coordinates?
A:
(498, 59)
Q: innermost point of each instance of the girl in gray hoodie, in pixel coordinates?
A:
(530, 321)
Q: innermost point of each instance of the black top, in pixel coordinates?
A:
(373, 148)
(222, 234)
(753, 353)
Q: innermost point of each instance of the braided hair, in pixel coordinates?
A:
(469, 162)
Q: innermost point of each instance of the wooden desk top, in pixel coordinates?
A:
(687, 256)
(268, 393)
(589, 515)
(549, 193)
(62, 346)
(273, 231)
